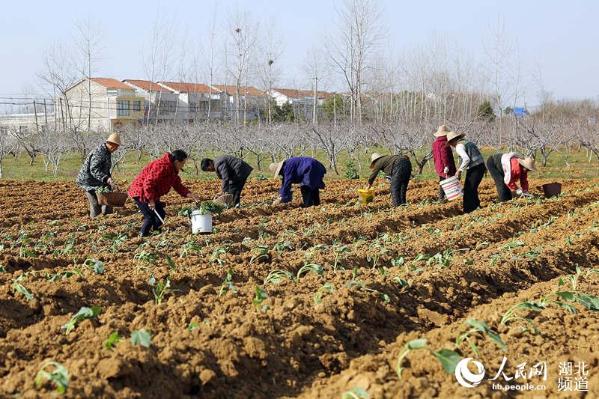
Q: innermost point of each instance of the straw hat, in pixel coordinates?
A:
(114, 138)
(454, 135)
(528, 163)
(374, 157)
(275, 168)
(442, 131)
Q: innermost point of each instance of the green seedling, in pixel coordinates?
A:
(145, 256)
(159, 288)
(339, 250)
(282, 246)
(172, 266)
(402, 283)
(448, 358)
(141, 337)
(216, 255)
(83, 314)
(307, 268)
(441, 259)
(259, 253)
(512, 245)
(259, 296)
(511, 315)
(188, 248)
(112, 340)
(377, 250)
(96, 265)
(478, 326)
(227, 285)
(327, 288)
(69, 246)
(277, 276)
(115, 239)
(192, 326)
(355, 393)
(55, 373)
(61, 276)
(398, 261)
(19, 288)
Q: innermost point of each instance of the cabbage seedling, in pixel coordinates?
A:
(159, 288)
(20, 288)
(307, 268)
(141, 337)
(112, 340)
(277, 277)
(448, 358)
(327, 288)
(355, 393)
(260, 252)
(54, 372)
(479, 326)
(82, 314)
(227, 285)
(96, 265)
(259, 296)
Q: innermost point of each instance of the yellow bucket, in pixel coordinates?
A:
(366, 195)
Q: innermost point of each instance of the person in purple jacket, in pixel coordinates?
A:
(305, 171)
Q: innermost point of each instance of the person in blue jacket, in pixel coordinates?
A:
(305, 171)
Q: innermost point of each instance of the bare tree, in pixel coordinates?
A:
(89, 47)
(359, 35)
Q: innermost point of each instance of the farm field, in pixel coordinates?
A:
(288, 302)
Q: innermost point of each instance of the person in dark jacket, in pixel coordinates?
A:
(154, 181)
(443, 158)
(305, 171)
(95, 173)
(233, 172)
(399, 168)
(473, 163)
(507, 170)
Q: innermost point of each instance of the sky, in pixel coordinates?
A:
(554, 43)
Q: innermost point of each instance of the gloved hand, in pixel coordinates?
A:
(446, 170)
(111, 183)
(519, 192)
(277, 201)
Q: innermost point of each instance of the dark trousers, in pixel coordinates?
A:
(442, 195)
(311, 197)
(399, 182)
(235, 188)
(151, 221)
(474, 176)
(496, 171)
(95, 209)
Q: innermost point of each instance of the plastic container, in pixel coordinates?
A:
(452, 188)
(201, 224)
(112, 198)
(551, 189)
(366, 195)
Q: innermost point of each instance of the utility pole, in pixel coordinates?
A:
(314, 117)
(37, 126)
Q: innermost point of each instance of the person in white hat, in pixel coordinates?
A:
(95, 173)
(473, 163)
(305, 171)
(399, 168)
(443, 158)
(508, 169)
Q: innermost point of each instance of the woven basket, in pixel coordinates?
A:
(112, 198)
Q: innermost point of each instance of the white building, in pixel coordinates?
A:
(196, 100)
(161, 104)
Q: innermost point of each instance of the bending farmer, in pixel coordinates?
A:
(154, 181)
(506, 170)
(233, 172)
(399, 168)
(305, 171)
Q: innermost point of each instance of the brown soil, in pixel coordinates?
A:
(391, 275)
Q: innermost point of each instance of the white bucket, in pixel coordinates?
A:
(452, 188)
(201, 223)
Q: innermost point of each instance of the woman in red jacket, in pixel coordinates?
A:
(154, 181)
(443, 157)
